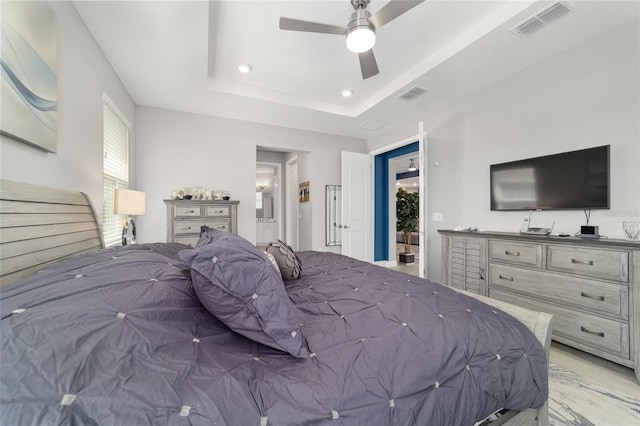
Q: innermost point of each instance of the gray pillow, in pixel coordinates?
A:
(287, 260)
(238, 285)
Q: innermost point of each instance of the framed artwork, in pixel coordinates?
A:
(29, 85)
(303, 192)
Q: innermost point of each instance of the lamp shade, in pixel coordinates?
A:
(129, 202)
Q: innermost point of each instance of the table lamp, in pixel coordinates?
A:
(130, 203)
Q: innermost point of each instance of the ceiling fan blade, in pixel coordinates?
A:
(368, 64)
(311, 27)
(392, 10)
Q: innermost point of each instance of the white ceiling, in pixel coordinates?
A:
(183, 55)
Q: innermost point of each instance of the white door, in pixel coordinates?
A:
(357, 206)
(292, 203)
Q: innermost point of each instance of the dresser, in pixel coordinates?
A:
(185, 217)
(591, 286)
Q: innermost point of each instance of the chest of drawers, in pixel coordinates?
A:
(185, 217)
(592, 287)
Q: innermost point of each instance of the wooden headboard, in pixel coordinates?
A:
(40, 225)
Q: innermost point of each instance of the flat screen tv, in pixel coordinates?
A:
(569, 180)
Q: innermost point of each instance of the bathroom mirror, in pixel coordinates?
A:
(333, 215)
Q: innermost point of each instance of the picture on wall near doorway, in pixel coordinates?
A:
(29, 86)
(303, 192)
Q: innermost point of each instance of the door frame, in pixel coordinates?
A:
(291, 194)
(420, 139)
(278, 207)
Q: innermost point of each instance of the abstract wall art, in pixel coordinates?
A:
(29, 66)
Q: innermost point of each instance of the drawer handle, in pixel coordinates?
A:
(186, 229)
(512, 253)
(595, 333)
(600, 298)
(505, 278)
(582, 262)
(220, 211)
(189, 211)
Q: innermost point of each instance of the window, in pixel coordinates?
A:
(115, 169)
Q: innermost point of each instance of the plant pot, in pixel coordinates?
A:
(407, 258)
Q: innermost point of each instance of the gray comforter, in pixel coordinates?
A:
(119, 337)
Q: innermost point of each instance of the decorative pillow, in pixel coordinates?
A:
(238, 284)
(287, 260)
(273, 262)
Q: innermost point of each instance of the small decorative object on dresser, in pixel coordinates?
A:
(185, 217)
(631, 230)
(591, 286)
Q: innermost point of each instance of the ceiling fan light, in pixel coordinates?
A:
(361, 39)
(361, 35)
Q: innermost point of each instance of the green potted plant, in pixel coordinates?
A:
(407, 215)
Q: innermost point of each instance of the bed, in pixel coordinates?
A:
(168, 334)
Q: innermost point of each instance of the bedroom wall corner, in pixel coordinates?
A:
(84, 74)
(177, 149)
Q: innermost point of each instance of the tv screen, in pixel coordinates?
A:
(570, 180)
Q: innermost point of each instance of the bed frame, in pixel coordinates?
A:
(40, 225)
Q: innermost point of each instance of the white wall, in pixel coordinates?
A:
(584, 97)
(177, 149)
(83, 75)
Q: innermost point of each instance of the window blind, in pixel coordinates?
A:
(115, 171)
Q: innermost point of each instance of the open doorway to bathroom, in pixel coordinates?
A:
(277, 196)
(268, 202)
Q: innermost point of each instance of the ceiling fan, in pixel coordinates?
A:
(360, 32)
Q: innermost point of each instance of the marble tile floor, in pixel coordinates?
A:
(586, 390)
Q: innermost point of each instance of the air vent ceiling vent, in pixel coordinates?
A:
(412, 93)
(370, 125)
(542, 18)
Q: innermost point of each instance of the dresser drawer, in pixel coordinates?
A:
(606, 264)
(603, 334)
(190, 240)
(529, 254)
(588, 295)
(217, 211)
(181, 227)
(187, 211)
(220, 224)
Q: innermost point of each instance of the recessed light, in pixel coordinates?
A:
(244, 68)
(346, 93)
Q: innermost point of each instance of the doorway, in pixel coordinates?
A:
(268, 202)
(384, 193)
(281, 166)
(405, 180)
